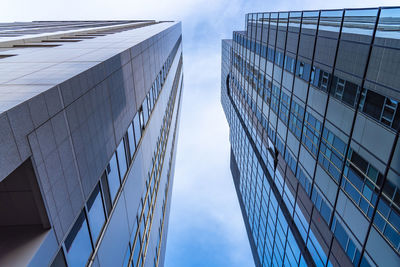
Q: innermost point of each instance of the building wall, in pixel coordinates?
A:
(72, 130)
(311, 111)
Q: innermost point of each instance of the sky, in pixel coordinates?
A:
(206, 226)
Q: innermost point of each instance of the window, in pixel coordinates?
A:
(113, 177)
(121, 155)
(389, 111)
(296, 119)
(284, 107)
(137, 128)
(131, 140)
(59, 260)
(106, 193)
(290, 64)
(332, 153)
(145, 112)
(373, 104)
(301, 70)
(311, 133)
(78, 243)
(95, 213)
(279, 58)
(127, 255)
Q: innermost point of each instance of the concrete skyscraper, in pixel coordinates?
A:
(312, 101)
(89, 115)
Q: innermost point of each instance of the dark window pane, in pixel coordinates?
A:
(106, 192)
(78, 243)
(95, 213)
(361, 163)
(392, 235)
(59, 260)
(373, 104)
(350, 93)
(113, 177)
(341, 235)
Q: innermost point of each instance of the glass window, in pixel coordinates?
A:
(388, 28)
(113, 177)
(137, 128)
(131, 140)
(310, 20)
(294, 21)
(96, 213)
(329, 23)
(341, 234)
(127, 255)
(106, 192)
(141, 118)
(358, 25)
(122, 158)
(78, 243)
(145, 112)
(290, 63)
(373, 104)
(136, 252)
(59, 260)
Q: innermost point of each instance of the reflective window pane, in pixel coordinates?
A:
(388, 30)
(358, 25)
(127, 255)
(294, 21)
(310, 20)
(96, 213)
(131, 139)
(78, 243)
(137, 128)
(329, 23)
(122, 163)
(113, 177)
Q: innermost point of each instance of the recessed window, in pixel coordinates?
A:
(137, 128)
(131, 140)
(78, 244)
(122, 158)
(106, 193)
(113, 177)
(96, 213)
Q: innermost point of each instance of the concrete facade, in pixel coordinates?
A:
(67, 109)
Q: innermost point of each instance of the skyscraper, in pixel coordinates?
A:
(89, 114)
(312, 101)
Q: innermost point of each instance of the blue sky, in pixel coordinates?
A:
(206, 227)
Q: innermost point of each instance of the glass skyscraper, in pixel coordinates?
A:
(312, 101)
(89, 115)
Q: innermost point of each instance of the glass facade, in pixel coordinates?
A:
(311, 99)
